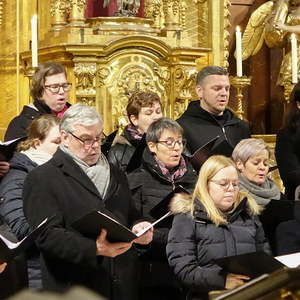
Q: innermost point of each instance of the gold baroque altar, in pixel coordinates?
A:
(108, 57)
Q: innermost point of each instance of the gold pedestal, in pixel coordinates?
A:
(239, 83)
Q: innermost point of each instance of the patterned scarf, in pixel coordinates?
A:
(176, 172)
(132, 130)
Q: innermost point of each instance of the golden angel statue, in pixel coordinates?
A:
(273, 23)
(126, 8)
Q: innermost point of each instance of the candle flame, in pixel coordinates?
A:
(238, 29)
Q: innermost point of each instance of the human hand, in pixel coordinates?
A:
(2, 267)
(105, 248)
(280, 26)
(145, 238)
(235, 280)
(4, 168)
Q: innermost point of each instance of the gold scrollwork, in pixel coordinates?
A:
(164, 76)
(59, 10)
(153, 10)
(85, 83)
(184, 82)
(1, 10)
(101, 75)
(226, 32)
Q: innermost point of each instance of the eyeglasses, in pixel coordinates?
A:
(88, 143)
(55, 88)
(171, 143)
(225, 184)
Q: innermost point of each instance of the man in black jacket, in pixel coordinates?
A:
(208, 117)
(77, 180)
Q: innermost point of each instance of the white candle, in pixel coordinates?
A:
(34, 41)
(238, 47)
(294, 56)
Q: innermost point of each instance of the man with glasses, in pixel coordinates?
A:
(209, 117)
(49, 91)
(77, 180)
(163, 169)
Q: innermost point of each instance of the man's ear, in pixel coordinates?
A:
(64, 138)
(134, 120)
(239, 165)
(298, 104)
(199, 91)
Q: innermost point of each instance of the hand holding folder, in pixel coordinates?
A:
(91, 224)
(9, 249)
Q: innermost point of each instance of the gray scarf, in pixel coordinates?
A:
(98, 173)
(264, 193)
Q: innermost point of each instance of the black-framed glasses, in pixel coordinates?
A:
(55, 88)
(87, 143)
(225, 184)
(171, 143)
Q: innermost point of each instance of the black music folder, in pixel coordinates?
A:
(9, 249)
(7, 148)
(202, 154)
(250, 264)
(136, 159)
(91, 224)
(163, 206)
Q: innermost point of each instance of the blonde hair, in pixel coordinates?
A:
(208, 170)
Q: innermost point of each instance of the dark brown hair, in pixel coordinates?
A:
(38, 131)
(38, 79)
(140, 99)
(292, 114)
(210, 70)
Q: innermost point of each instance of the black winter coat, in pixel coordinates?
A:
(287, 153)
(122, 150)
(11, 208)
(200, 127)
(18, 126)
(61, 188)
(149, 187)
(195, 242)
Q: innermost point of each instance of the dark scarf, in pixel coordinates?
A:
(180, 170)
(45, 109)
(134, 133)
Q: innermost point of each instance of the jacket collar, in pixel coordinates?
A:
(68, 166)
(194, 110)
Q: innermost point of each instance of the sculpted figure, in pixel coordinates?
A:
(126, 8)
(272, 23)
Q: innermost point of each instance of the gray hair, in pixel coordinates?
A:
(156, 129)
(79, 114)
(210, 70)
(247, 148)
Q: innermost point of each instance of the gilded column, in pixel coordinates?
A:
(1, 10)
(171, 10)
(58, 12)
(77, 10)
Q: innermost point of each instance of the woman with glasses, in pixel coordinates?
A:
(143, 108)
(216, 221)
(163, 168)
(49, 91)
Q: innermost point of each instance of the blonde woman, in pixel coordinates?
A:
(216, 221)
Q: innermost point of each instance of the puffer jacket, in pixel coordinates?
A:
(194, 243)
(11, 208)
(200, 127)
